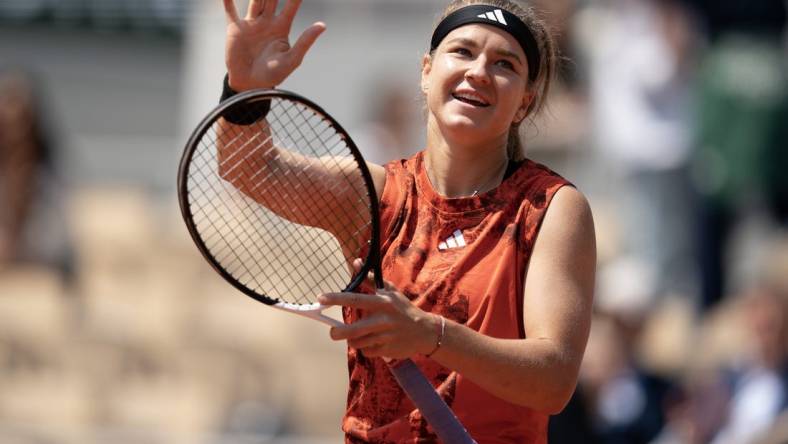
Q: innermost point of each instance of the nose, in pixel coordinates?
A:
(478, 71)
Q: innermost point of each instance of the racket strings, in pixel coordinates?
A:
(328, 143)
(292, 186)
(239, 263)
(250, 187)
(262, 244)
(327, 150)
(246, 211)
(224, 248)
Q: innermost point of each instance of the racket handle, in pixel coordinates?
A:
(430, 404)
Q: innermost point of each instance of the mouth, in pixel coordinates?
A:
(471, 99)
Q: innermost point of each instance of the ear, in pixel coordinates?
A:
(426, 68)
(522, 112)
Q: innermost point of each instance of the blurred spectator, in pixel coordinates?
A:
(743, 397)
(574, 423)
(618, 400)
(778, 433)
(695, 410)
(32, 226)
(741, 135)
(639, 57)
(760, 383)
(621, 402)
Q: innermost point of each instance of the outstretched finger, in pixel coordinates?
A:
(372, 325)
(306, 40)
(230, 12)
(355, 300)
(358, 264)
(255, 8)
(386, 284)
(370, 341)
(289, 12)
(374, 351)
(270, 8)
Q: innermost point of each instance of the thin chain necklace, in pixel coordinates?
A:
(497, 178)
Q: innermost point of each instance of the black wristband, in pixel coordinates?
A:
(243, 113)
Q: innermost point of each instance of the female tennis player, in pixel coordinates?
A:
(489, 257)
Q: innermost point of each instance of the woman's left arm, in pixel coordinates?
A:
(539, 371)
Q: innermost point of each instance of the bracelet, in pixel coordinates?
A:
(440, 332)
(243, 113)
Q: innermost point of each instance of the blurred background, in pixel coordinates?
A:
(670, 115)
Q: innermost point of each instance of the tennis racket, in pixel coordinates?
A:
(279, 204)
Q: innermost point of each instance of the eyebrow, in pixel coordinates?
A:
(471, 43)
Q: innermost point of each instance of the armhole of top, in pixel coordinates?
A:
(553, 185)
(391, 200)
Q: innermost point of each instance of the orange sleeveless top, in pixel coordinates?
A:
(465, 259)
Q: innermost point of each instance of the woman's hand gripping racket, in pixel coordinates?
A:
(279, 203)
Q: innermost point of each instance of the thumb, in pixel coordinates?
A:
(358, 264)
(306, 40)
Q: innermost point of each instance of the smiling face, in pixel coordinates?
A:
(475, 84)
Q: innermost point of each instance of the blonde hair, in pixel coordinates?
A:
(548, 60)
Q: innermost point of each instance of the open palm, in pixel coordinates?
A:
(258, 53)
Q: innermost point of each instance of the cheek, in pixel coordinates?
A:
(444, 72)
(512, 94)
(437, 86)
(431, 96)
(449, 65)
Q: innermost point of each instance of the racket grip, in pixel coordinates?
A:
(430, 404)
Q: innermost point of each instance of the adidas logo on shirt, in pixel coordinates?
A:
(456, 240)
(496, 16)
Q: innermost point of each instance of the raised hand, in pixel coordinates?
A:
(391, 326)
(258, 53)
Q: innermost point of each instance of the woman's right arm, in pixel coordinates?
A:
(299, 188)
(258, 55)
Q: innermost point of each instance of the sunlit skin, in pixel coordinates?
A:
(258, 53)
(465, 152)
(487, 64)
(466, 144)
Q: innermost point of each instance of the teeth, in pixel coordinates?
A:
(470, 97)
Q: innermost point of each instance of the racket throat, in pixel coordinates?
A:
(311, 311)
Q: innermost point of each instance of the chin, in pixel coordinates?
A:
(470, 129)
(461, 127)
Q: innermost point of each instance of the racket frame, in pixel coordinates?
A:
(372, 261)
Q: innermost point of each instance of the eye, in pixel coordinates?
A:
(506, 64)
(462, 51)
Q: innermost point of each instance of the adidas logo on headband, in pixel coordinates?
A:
(500, 18)
(496, 16)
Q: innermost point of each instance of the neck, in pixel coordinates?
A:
(464, 168)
